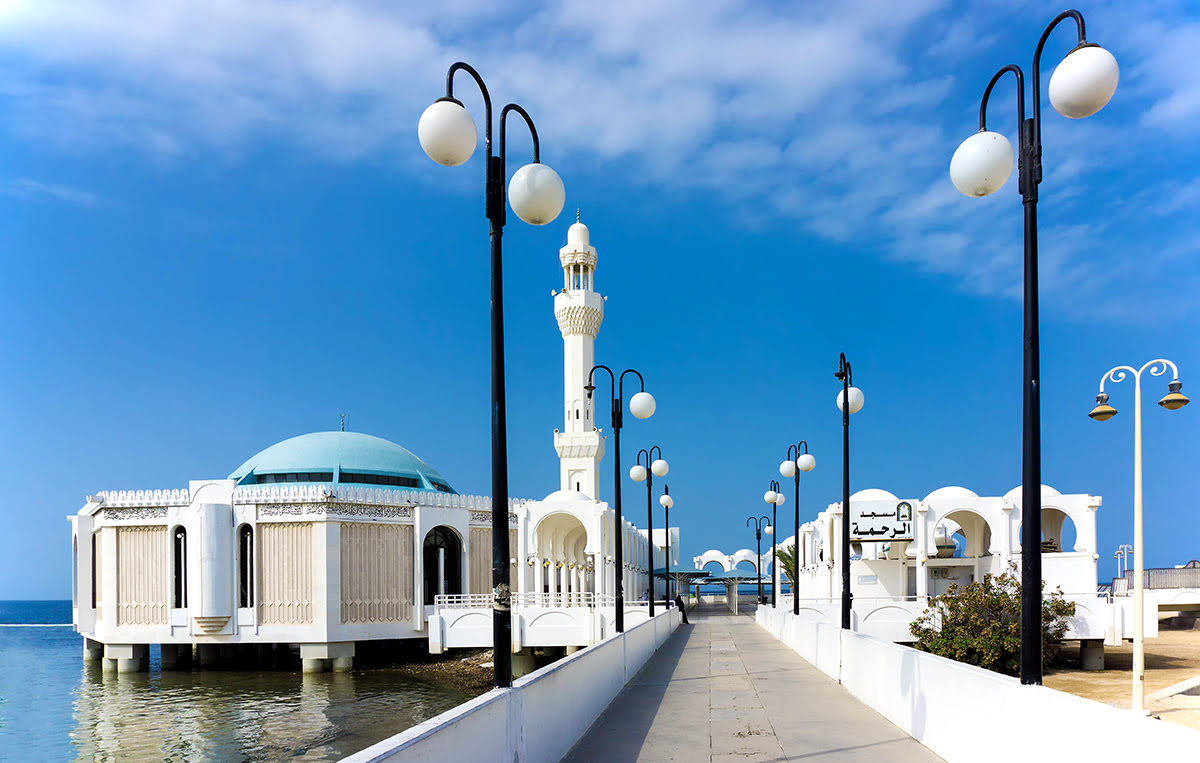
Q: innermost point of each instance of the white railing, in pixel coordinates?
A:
(531, 600)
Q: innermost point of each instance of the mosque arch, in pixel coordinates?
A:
(246, 565)
(750, 562)
(1060, 533)
(178, 567)
(441, 558)
(974, 529)
(720, 564)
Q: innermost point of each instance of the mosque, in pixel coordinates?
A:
(330, 539)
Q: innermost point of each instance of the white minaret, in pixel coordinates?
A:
(579, 310)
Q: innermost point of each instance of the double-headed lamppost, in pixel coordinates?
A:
(1173, 401)
(797, 461)
(1123, 552)
(1081, 85)
(448, 135)
(849, 400)
(761, 525)
(641, 405)
(776, 499)
(654, 467)
(666, 501)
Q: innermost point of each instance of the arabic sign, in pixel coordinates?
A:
(881, 521)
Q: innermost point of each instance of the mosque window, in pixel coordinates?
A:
(379, 479)
(267, 479)
(245, 566)
(94, 536)
(179, 569)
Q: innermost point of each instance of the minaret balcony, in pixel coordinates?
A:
(579, 445)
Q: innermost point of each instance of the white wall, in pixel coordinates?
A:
(966, 713)
(542, 716)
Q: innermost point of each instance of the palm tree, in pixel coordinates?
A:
(787, 562)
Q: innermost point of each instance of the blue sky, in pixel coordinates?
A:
(219, 231)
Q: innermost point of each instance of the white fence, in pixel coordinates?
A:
(542, 716)
(965, 713)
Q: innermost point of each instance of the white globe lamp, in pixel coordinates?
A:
(856, 400)
(779, 499)
(769, 496)
(1084, 82)
(666, 501)
(788, 468)
(769, 530)
(805, 462)
(536, 194)
(981, 164)
(637, 473)
(447, 133)
(642, 405)
(659, 467)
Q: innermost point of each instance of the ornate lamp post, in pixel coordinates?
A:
(776, 499)
(1173, 401)
(666, 501)
(760, 525)
(448, 135)
(641, 405)
(850, 400)
(797, 461)
(1081, 85)
(654, 467)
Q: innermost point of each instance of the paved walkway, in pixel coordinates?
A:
(723, 689)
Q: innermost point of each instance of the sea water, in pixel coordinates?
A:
(55, 707)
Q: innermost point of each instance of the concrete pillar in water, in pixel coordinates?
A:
(93, 651)
(209, 655)
(1091, 654)
(170, 656)
(129, 658)
(315, 657)
(312, 665)
(343, 664)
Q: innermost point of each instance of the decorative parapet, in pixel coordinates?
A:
(134, 512)
(347, 494)
(145, 497)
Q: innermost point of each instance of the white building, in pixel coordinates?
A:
(332, 538)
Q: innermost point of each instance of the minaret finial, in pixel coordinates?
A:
(343, 417)
(576, 214)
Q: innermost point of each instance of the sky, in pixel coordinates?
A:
(218, 231)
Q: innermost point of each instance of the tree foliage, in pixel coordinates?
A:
(980, 623)
(786, 557)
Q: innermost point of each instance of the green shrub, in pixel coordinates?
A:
(980, 623)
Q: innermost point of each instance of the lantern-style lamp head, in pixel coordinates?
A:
(637, 473)
(1174, 399)
(642, 405)
(856, 400)
(788, 468)
(536, 194)
(981, 164)
(447, 132)
(805, 462)
(769, 496)
(1103, 411)
(659, 467)
(1084, 82)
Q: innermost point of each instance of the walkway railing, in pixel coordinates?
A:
(539, 600)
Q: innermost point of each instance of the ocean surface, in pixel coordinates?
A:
(54, 707)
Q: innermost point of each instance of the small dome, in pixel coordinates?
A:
(873, 494)
(577, 235)
(350, 458)
(1014, 495)
(566, 495)
(951, 493)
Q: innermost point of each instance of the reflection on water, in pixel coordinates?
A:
(55, 707)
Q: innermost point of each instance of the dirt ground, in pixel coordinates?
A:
(1171, 658)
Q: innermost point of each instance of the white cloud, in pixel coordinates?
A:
(839, 116)
(33, 189)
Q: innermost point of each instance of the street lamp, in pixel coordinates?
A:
(776, 499)
(666, 501)
(641, 405)
(1082, 84)
(760, 525)
(1173, 401)
(656, 467)
(448, 135)
(1122, 555)
(849, 400)
(797, 461)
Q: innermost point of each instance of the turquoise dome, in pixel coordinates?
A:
(348, 458)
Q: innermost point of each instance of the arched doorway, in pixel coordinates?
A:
(563, 565)
(441, 563)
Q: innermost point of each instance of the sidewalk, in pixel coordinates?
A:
(723, 689)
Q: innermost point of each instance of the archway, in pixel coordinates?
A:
(562, 564)
(441, 563)
(720, 565)
(1058, 531)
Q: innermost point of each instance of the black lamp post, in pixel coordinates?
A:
(642, 407)
(1082, 84)
(648, 471)
(448, 135)
(798, 460)
(759, 523)
(667, 502)
(773, 497)
(849, 401)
